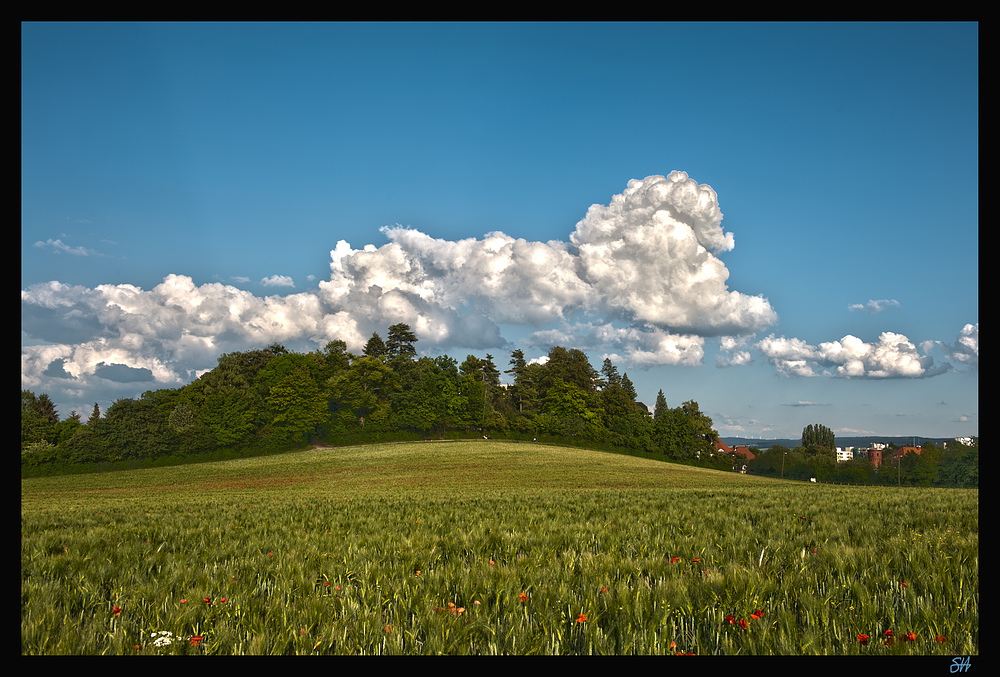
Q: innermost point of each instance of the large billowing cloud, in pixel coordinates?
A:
(646, 259)
(650, 256)
(639, 278)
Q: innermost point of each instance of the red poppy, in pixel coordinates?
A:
(940, 639)
(910, 637)
(674, 559)
(743, 623)
(523, 597)
(730, 619)
(863, 639)
(197, 640)
(887, 633)
(582, 618)
(696, 560)
(208, 600)
(757, 614)
(116, 610)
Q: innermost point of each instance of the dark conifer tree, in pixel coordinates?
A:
(400, 340)
(375, 346)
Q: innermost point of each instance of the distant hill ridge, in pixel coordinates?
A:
(841, 441)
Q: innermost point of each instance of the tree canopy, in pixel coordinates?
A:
(271, 399)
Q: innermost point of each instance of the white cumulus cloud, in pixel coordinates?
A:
(649, 259)
(892, 356)
(639, 278)
(874, 306)
(640, 347)
(277, 281)
(966, 347)
(733, 353)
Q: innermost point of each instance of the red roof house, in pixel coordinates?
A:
(723, 447)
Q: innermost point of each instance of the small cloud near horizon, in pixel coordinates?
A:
(874, 306)
(277, 281)
(60, 247)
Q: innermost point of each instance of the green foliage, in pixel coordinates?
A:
(815, 435)
(293, 400)
(269, 400)
(136, 429)
(375, 347)
(39, 419)
(569, 366)
(959, 465)
(523, 391)
(361, 393)
(400, 342)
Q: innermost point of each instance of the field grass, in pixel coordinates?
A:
(490, 548)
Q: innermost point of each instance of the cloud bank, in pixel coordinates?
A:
(647, 259)
(891, 356)
(639, 279)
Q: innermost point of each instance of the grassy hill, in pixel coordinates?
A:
(459, 466)
(489, 547)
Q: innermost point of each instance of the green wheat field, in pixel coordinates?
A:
(491, 548)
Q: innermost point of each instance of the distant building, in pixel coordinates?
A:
(875, 455)
(736, 452)
(901, 452)
(723, 447)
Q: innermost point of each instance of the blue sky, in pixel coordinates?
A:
(798, 243)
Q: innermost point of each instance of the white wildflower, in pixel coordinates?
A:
(162, 638)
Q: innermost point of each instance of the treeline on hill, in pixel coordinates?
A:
(268, 400)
